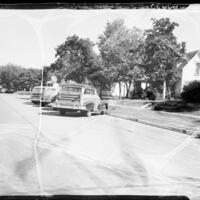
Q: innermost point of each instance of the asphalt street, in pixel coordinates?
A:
(45, 153)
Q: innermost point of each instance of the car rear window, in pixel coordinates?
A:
(71, 89)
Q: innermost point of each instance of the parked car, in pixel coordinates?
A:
(22, 92)
(2, 90)
(44, 94)
(11, 90)
(79, 97)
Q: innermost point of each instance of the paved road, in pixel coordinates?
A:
(44, 153)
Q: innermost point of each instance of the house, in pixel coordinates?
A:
(188, 71)
(138, 85)
(115, 89)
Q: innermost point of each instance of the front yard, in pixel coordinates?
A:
(186, 121)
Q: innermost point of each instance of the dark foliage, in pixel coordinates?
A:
(15, 78)
(138, 94)
(150, 94)
(175, 106)
(191, 92)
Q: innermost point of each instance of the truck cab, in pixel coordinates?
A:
(79, 97)
(44, 94)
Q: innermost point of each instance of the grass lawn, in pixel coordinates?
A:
(155, 117)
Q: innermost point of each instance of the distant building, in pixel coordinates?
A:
(188, 71)
(139, 84)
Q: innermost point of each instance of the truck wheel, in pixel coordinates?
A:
(62, 112)
(87, 113)
(43, 104)
(102, 112)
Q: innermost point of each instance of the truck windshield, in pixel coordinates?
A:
(37, 89)
(50, 89)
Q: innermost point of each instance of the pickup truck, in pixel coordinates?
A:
(79, 97)
(43, 94)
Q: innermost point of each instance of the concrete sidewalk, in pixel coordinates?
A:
(179, 122)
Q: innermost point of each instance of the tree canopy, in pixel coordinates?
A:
(126, 55)
(75, 58)
(162, 52)
(18, 78)
(120, 49)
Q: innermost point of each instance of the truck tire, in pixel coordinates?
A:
(62, 112)
(34, 102)
(43, 104)
(87, 113)
(102, 112)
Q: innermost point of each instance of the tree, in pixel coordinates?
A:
(74, 59)
(46, 73)
(99, 76)
(9, 76)
(120, 52)
(18, 78)
(162, 53)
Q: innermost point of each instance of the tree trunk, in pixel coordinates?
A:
(134, 89)
(130, 83)
(127, 90)
(128, 87)
(119, 90)
(100, 91)
(164, 89)
(169, 93)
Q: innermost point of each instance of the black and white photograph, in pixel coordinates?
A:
(100, 101)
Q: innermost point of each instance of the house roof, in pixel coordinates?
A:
(189, 56)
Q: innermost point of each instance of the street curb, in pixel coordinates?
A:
(152, 124)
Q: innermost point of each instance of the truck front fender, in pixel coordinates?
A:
(89, 106)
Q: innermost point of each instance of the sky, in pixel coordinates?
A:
(29, 37)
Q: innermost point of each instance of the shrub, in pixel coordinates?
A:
(171, 106)
(150, 94)
(137, 94)
(191, 92)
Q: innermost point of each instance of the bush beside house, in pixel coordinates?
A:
(190, 100)
(191, 92)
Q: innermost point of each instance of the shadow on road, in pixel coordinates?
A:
(24, 98)
(30, 103)
(47, 108)
(67, 114)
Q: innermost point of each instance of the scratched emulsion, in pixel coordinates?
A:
(44, 153)
(77, 163)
